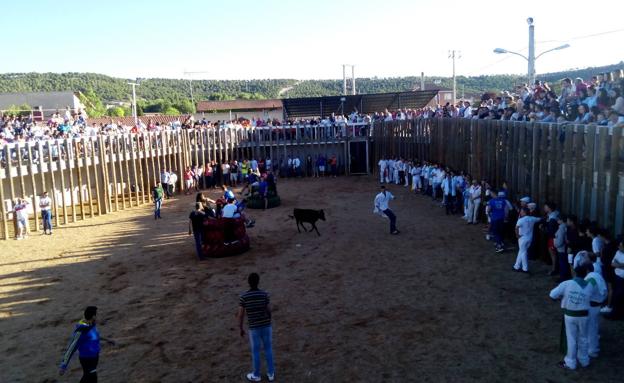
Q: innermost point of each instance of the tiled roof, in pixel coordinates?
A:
(208, 106)
(129, 121)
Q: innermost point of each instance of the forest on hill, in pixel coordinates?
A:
(174, 95)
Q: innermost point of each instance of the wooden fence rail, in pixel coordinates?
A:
(580, 167)
(91, 176)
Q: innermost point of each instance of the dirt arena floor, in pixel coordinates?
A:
(434, 304)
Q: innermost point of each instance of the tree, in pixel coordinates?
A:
(185, 107)
(92, 103)
(18, 109)
(171, 111)
(115, 111)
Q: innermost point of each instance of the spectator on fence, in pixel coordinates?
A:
(45, 205)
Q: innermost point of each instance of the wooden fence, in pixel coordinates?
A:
(579, 167)
(91, 176)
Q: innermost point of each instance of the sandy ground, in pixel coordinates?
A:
(434, 304)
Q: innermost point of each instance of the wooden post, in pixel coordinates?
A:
(107, 205)
(614, 178)
(114, 157)
(33, 185)
(79, 170)
(600, 178)
(69, 162)
(93, 141)
(62, 174)
(126, 158)
(9, 172)
(55, 202)
(133, 157)
(138, 158)
(588, 169)
(85, 161)
(577, 199)
(148, 179)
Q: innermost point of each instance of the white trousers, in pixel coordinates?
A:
(473, 210)
(416, 184)
(576, 335)
(522, 260)
(593, 330)
(396, 176)
(382, 175)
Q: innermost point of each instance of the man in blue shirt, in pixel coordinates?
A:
(497, 208)
(85, 339)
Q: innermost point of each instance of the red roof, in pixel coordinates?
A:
(209, 106)
(129, 121)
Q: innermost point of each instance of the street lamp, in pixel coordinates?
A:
(134, 106)
(531, 59)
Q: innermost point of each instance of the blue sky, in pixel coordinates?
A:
(303, 39)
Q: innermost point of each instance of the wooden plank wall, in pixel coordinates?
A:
(579, 167)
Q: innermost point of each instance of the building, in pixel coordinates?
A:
(43, 103)
(233, 109)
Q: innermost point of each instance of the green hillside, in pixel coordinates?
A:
(176, 92)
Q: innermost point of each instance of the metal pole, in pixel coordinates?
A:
(191, 87)
(344, 79)
(353, 78)
(134, 107)
(422, 80)
(454, 80)
(531, 69)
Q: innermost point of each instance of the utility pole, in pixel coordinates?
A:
(422, 80)
(353, 79)
(531, 58)
(134, 107)
(453, 55)
(344, 79)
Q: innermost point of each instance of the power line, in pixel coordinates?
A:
(584, 36)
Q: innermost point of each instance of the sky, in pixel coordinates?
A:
(304, 39)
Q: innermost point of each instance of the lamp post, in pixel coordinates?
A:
(134, 107)
(531, 59)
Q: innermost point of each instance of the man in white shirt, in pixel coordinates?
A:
(381, 206)
(173, 179)
(474, 202)
(21, 212)
(383, 167)
(524, 233)
(617, 299)
(45, 204)
(575, 297)
(597, 300)
(416, 181)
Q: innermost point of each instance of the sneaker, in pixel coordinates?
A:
(606, 310)
(252, 378)
(395, 232)
(500, 249)
(271, 377)
(563, 365)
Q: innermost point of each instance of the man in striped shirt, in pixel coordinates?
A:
(256, 304)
